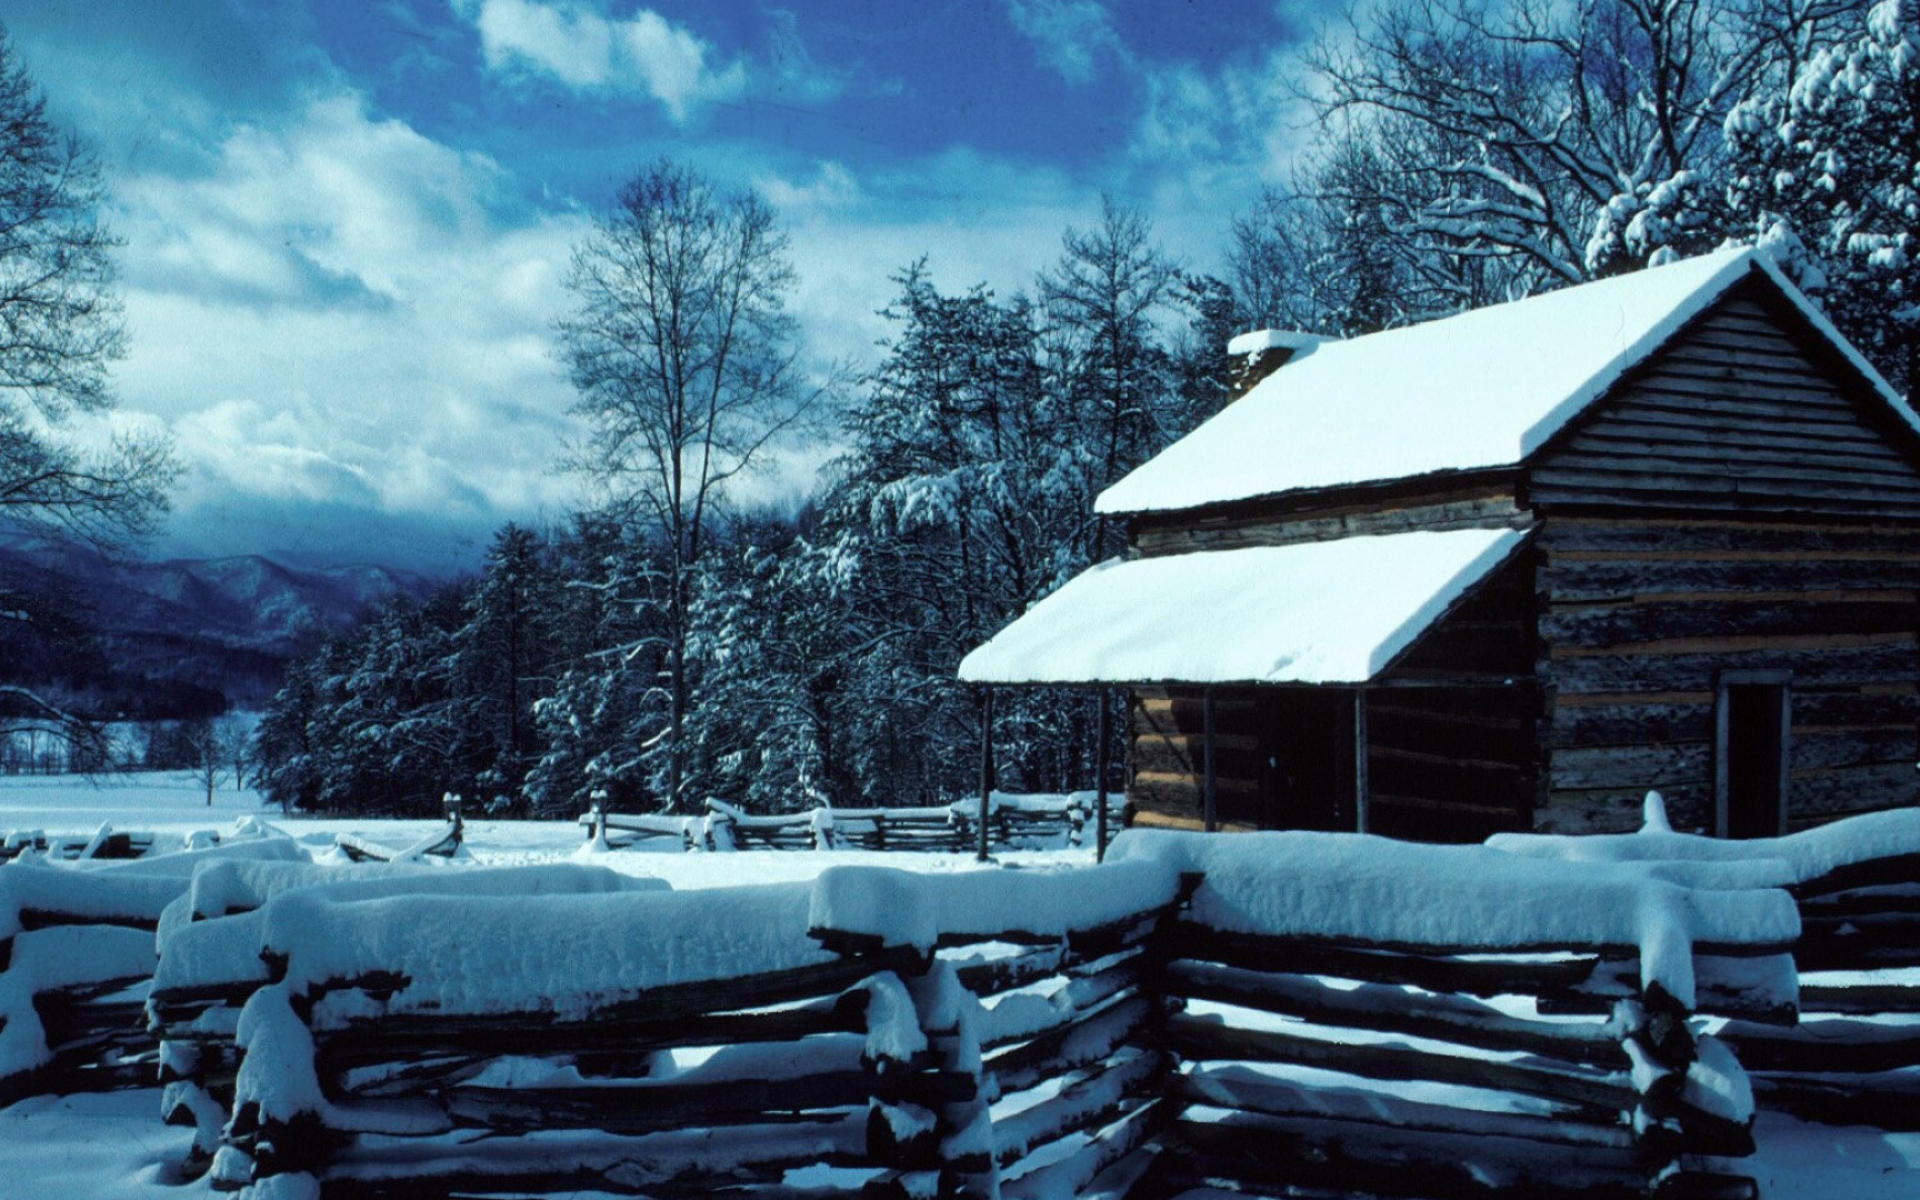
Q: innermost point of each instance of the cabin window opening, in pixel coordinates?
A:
(1752, 757)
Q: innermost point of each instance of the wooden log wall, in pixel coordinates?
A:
(1451, 752)
(1451, 755)
(1738, 504)
(1451, 747)
(1747, 411)
(1470, 500)
(1642, 614)
(1165, 766)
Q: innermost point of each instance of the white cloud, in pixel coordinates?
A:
(1069, 34)
(976, 219)
(583, 48)
(342, 314)
(1205, 142)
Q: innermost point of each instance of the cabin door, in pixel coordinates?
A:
(1753, 720)
(1307, 758)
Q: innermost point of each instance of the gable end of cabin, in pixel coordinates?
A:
(1729, 586)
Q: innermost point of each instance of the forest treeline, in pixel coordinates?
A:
(667, 645)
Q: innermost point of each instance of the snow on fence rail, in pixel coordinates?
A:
(1013, 820)
(1006, 1031)
(1254, 1012)
(1389, 1018)
(1854, 1054)
(76, 954)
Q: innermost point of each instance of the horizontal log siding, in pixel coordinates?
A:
(1744, 412)
(1473, 501)
(1457, 762)
(1166, 763)
(1640, 615)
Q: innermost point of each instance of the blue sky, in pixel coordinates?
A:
(346, 223)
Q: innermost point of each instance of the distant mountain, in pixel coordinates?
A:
(225, 624)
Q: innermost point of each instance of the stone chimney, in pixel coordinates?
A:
(1259, 354)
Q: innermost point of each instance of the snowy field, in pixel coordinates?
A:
(113, 1147)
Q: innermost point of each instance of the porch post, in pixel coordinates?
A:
(986, 769)
(1360, 814)
(1209, 811)
(1100, 774)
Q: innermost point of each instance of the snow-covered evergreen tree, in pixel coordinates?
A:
(1830, 180)
(503, 659)
(1520, 145)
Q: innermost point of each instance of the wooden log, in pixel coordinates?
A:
(1886, 1100)
(1092, 1097)
(1900, 898)
(1242, 1090)
(1845, 791)
(1020, 1023)
(1388, 1009)
(1569, 577)
(1088, 1039)
(1635, 623)
(1431, 968)
(1652, 722)
(652, 1022)
(1467, 502)
(1824, 1046)
(1107, 1148)
(1898, 870)
(1590, 767)
(1694, 665)
(653, 1108)
(1002, 974)
(1591, 1096)
(673, 1166)
(1274, 1156)
(1866, 999)
(1830, 451)
(1695, 539)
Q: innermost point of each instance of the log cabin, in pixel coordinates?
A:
(1511, 569)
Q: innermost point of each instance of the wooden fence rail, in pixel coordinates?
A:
(1170, 1020)
(1272, 1013)
(1014, 821)
(76, 959)
(1857, 886)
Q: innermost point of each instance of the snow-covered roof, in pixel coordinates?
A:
(1259, 341)
(1479, 390)
(1318, 612)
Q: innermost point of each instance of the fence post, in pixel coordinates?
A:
(1100, 776)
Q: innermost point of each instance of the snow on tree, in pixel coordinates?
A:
(1527, 144)
(686, 365)
(1830, 180)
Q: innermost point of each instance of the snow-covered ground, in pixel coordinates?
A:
(113, 1147)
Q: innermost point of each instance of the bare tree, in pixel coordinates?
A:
(1102, 300)
(1553, 142)
(59, 330)
(686, 364)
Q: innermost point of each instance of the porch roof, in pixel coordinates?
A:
(1319, 612)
